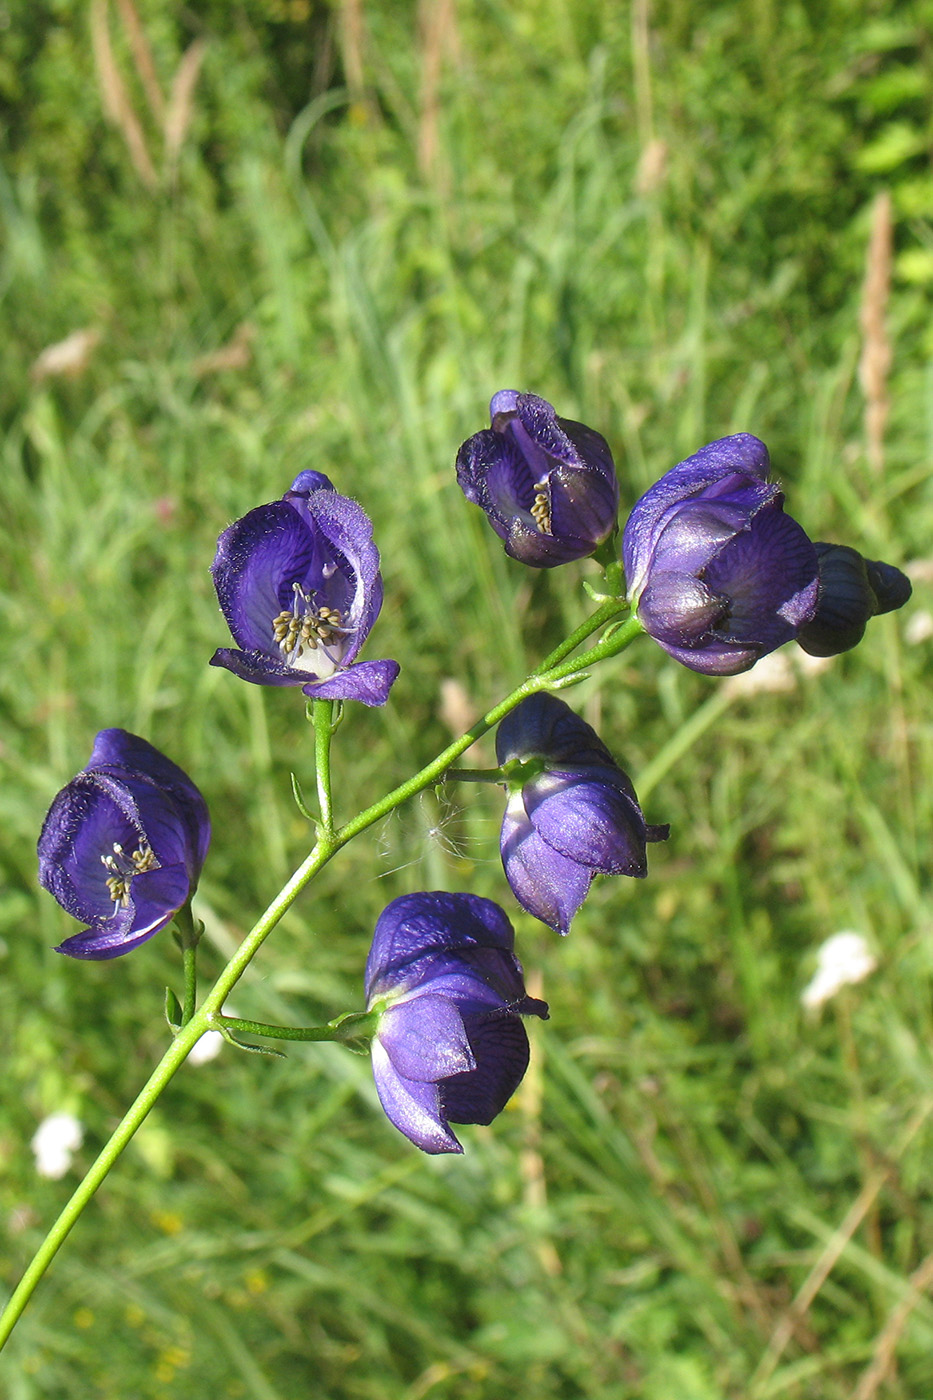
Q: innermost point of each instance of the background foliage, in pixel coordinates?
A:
(306, 234)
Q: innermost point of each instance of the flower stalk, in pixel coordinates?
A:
(558, 667)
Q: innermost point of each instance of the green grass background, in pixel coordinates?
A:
(656, 214)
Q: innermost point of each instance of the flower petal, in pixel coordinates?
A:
(258, 559)
(771, 575)
(732, 470)
(414, 1107)
(500, 1045)
(430, 921)
(348, 531)
(258, 667)
(546, 727)
(678, 609)
(425, 1038)
(157, 895)
(591, 819)
(549, 885)
(366, 681)
(547, 484)
(118, 749)
(87, 819)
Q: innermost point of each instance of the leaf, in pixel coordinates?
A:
(172, 1010)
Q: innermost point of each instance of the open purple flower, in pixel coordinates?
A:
(450, 1045)
(852, 590)
(547, 484)
(298, 582)
(122, 845)
(719, 574)
(572, 812)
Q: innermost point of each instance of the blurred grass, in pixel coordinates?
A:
(655, 215)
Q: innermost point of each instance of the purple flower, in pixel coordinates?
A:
(852, 590)
(548, 485)
(572, 812)
(298, 582)
(122, 845)
(719, 574)
(450, 1047)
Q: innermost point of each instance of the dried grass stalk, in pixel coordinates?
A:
(117, 105)
(437, 27)
(875, 362)
(180, 107)
(142, 57)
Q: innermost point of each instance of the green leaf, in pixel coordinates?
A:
(172, 1010)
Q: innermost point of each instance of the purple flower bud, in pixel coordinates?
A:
(122, 845)
(298, 582)
(548, 485)
(852, 590)
(572, 812)
(450, 1047)
(719, 574)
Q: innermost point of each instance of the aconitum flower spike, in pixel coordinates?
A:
(572, 812)
(298, 582)
(122, 845)
(450, 1046)
(719, 575)
(852, 590)
(547, 484)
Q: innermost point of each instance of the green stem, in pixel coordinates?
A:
(611, 608)
(322, 717)
(53, 1241)
(190, 964)
(352, 1027)
(555, 668)
(188, 936)
(157, 1083)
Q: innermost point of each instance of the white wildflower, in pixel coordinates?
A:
(919, 628)
(53, 1143)
(843, 959)
(67, 357)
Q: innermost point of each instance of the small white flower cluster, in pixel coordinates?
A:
(53, 1143)
(842, 960)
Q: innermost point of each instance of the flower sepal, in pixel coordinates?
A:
(547, 485)
(298, 581)
(575, 817)
(449, 995)
(122, 846)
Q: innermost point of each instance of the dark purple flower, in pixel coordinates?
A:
(719, 574)
(450, 1047)
(299, 584)
(572, 812)
(852, 590)
(122, 845)
(548, 485)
